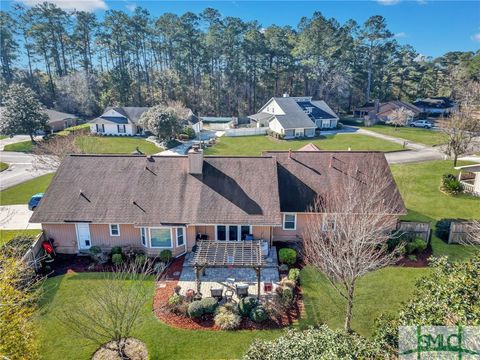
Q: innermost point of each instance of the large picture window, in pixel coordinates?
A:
(160, 238)
(232, 232)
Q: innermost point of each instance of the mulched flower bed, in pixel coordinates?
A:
(170, 280)
(422, 259)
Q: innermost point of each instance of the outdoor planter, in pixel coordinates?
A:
(242, 290)
(216, 293)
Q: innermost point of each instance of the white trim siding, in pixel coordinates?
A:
(144, 237)
(184, 233)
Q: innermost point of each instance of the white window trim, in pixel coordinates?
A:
(110, 228)
(123, 127)
(294, 221)
(145, 233)
(183, 233)
(227, 232)
(325, 221)
(150, 237)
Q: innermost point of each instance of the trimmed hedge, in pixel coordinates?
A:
(246, 305)
(259, 314)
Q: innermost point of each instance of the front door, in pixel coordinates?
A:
(83, 236)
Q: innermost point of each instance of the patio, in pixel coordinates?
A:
(221, 270)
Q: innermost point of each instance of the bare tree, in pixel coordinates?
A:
(114, 307)
(473, 233)
(50, 153)
(463, 126)
(399, 117)
(348, 237)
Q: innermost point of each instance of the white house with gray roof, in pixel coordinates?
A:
(295, 116)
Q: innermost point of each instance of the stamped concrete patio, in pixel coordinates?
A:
(226, 276)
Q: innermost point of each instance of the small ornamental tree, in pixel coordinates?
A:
(161, 121)
(449, 296)
(399, 117)
(23, 112)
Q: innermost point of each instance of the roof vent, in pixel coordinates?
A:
(150, 158)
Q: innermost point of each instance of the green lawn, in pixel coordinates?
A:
(2, 137)
(417, 135)
(255, 145)
(21, 193)
(419, 186)
(22, 146)
(164, 342)
(98, 145)
(3, 166)
(7, 235)
(323, 304)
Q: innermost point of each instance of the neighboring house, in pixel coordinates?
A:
(295, 116)
(382, 111)
(169, 202)
(436, 105)
(363, 110)
(118, 121)
(124, 121)
(218, 122)
(57, 120)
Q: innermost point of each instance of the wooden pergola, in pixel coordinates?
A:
(243, 254)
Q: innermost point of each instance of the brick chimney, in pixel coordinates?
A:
(195, 161)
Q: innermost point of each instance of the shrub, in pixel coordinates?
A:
(95, 250)
(416, 245)
(140, 259)
(246, 305)
(319, 343)
(287, 256)
(116, 250)
(294, 275)
(227, 320)
(165, 256)
(227, 307)
(287, 297)
(288, 283)
(412, 257)
(442, 228)
(451, 185)
(117, 259)
(175, 300)
(258, 314)
(189, 133)
(195, 309)
(209, 305)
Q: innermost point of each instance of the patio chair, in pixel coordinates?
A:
(242, 290)
(217, 293)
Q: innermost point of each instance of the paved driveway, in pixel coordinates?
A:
(20, 169)
(15, 217)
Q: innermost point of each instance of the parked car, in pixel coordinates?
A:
(34, 201)
(421, 124)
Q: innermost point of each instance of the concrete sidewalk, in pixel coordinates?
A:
(15, 217)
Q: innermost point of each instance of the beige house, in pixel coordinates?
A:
(170, 202)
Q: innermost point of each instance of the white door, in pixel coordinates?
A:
(299, 132)
(83, 236)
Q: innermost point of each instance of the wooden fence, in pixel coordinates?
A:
(459, 232)
(416, 229)
(33, 255)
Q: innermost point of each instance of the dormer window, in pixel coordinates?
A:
(308, 110)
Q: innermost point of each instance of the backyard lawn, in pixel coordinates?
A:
(7, 235)
(3, 166)
(98, 145)
(21, 193)
(419, 186)
(417, 135)
(255, 145)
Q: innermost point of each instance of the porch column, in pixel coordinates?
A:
(258, 271)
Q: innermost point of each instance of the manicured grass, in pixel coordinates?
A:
(419, 186)
(2, 137)
(3, 166)
(21, 193)
(7, 235)
(417, 135)
(115, 145)
(98, 145)
(323, 304)
(22, 146)
(255, 145)
(163, 342)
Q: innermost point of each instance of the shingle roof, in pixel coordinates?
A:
(53, 115)
(130, 115)
(164, 192)
(385, 109)
(309, 147)
(303, 175)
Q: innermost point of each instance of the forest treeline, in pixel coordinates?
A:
(213, 64)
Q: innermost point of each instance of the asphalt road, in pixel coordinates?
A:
(20, 169)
